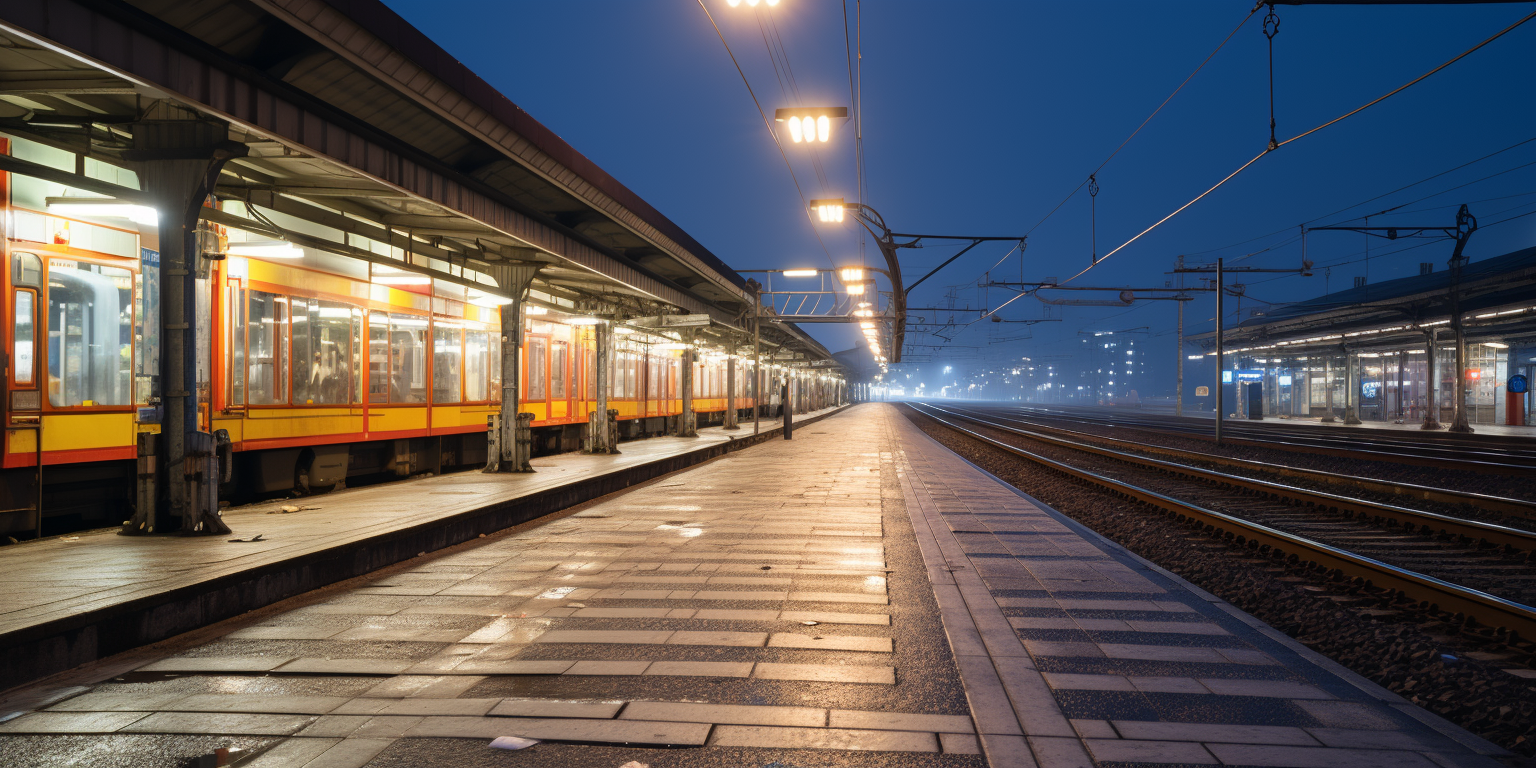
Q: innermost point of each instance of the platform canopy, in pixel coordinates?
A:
(357, 132)
(1497, 298)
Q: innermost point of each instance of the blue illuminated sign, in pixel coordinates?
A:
(1517, 384)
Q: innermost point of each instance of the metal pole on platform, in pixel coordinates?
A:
(1178, 400)
(757, 367)
(1220, 289)
(730, 392)
(1431, 403)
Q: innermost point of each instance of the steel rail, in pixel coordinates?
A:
(1518, 507)
(1494, 534)
(1394, 456)
(1486, 609)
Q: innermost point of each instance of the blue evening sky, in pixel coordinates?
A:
(980, 116)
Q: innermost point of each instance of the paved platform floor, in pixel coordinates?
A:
(857, 596)
(61, 576)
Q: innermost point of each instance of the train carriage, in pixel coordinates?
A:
(319, 367)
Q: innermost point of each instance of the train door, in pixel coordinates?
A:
(560, 380)
(536, 378)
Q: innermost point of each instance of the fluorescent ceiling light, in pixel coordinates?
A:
(104, 208)
(402, 279)
(582, 321)
(800, 273)
(535, 311)
(267, 249)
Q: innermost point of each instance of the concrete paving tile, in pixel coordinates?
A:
(1059, 680)
(1370, 739)
(1157, 684)
(1055, 648)
(826, 673)
(1032, 622)
(338, 726)
(1214, 732)
(228, 724)
(1278, 689)
(122, 701)
(1094, 729)
(1316, 757)
(1161, 653)
(722, 614)
(551, 667)
(217, 664)
(1178, 627)
(1005, 751)
(837, 597)
(623, 636)
(1031, 699)
(351, 753)
(431, 707)
(831, 642)
(1059, 752)
(345, 666)
(394, 635)
(823, 738)
(283, 633)
(387, 727)
(984, 692)
(608, 668)
(681, 613)
(700, 668)
(423, 686)
(825, 617)
(71, 722)
(637, 732)
(293, 753)
(1137, 751)
(727, 639)
(1247, 656)
(599, 710)
(959, 744)
(244, 702)
(734, 714)
(899, 721)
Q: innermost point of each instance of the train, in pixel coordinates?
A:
(322, 369)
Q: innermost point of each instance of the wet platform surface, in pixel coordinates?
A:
(64, 584)
(856, 596)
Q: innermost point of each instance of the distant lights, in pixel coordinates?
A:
(800, 273)
(753, 3)
(809, 125)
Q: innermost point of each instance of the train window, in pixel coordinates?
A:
(378, 358)
(536, 370)
(322, 340)
(476, 359)
(447, 362)
(22, 338)
(652, 380)
(355, 365)
(27, 269)
(408, 359)
(557, 372)
(589, 368)
(234, 345)
(493, 365)
(90, 334)
(267, 357)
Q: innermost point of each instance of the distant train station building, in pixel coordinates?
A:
(1365, 352)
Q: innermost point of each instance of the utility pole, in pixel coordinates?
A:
(1220, 290)
(1178, 400)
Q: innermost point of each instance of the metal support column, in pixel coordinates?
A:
(730, 392)
(602, 429)
(1220, 289)
(1351, 388)
(757, 370)
(512, 453)
(1178, 399)
(1460, 422)
(179, 157)
(1431, 402)
(687, 422)
(1328, 389)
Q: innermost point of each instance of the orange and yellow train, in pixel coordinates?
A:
(317, 374)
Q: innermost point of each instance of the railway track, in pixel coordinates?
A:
(1476, 569)
(1482, 454)
(1501, 505)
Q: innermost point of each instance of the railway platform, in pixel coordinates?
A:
(861, 596)
(76, 598)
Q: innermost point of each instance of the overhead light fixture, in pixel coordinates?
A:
(809, 125)
(103, 208)
(480, 298)
(1495, 345)
(266, 249)
(534, 311)
(852, 274)
(829, 210)
(582, 321)
(857, 289)
(801, 272)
